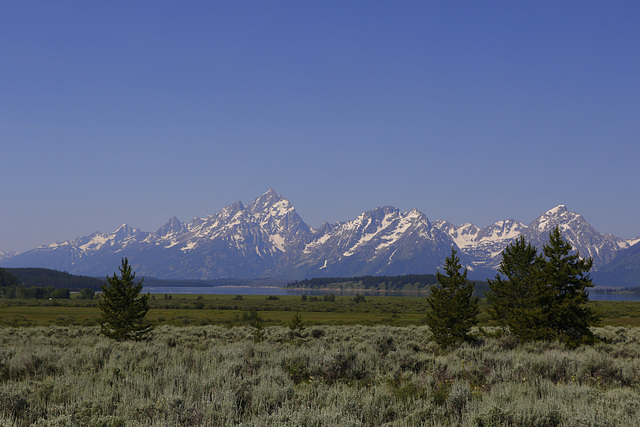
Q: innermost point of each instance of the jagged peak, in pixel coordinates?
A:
(270, 192)
(173, 220)
(269, 195)
(467, 225)
(232, 208)
(506, 223)
(125, 229)
(172, 225)
(380, 211)
(417, 215)
(237, 206)
(558, 210)
(267, 199)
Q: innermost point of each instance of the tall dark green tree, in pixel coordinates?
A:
(123, 308)
(566, 280)
(514, 301)
(453, 310)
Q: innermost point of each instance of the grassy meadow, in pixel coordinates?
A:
(356, 364)
(231, 310)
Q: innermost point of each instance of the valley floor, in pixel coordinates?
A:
(233, 310)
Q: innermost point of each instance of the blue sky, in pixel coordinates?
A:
(132, 112)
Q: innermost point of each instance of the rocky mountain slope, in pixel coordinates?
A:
(269, 239)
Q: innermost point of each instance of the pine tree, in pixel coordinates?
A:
(453, 308)
(123, 308)
(514, 300)
(566, 279)
(295, 324)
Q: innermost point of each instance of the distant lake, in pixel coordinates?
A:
(274, 290)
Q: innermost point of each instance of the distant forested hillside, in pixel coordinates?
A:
(405, 282)
(7, 279)
(43, 277)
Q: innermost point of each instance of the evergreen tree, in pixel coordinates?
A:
(123, 308)
(566, 279)
(453, 308)
(514, 300)
(295, 324)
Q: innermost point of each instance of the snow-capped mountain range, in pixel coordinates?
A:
(269, 239)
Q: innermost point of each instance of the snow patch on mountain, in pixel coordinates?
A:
(278, 242)
(632, 242)
(96, 242)
(189, 246)
(403, 224)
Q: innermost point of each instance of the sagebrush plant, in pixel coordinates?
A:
(330, 375)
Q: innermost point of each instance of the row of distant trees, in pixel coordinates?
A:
(24, 283)
(37, 292)
(11, 288)
(534, 296)
(366, 282)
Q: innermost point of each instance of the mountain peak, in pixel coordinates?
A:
(558, 210)
(555, 216)
(172, 226)
(231, 210)
(269, 197)
(272, 203)
(236, 206)
(125, 230)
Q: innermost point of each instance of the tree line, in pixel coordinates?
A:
(367, 282)
(534, 296)
(11, 287)
(58, 279)
(24, 283)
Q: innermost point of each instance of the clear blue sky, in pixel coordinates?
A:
(114, 112)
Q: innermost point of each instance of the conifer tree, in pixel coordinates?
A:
(453, 308)
(514, 300)
(123, 308)
(295, 324)
(566, 279)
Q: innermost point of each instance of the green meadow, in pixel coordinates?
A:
(180, 309)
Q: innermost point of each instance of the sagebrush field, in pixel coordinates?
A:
(326, 375)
